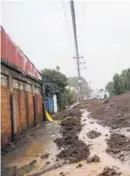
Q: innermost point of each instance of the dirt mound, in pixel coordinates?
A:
(118, 145)
(65, 141)
(114, 112)
(109, 172)
(93, 134)
(71, 126)
(74, 150)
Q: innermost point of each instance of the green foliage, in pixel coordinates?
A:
(120, 83)
(109, 88)
(55, 83)
(117, 85)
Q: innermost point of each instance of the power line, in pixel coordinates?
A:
(65, 23)
(83, 18)
(76, 47)
(82, 37)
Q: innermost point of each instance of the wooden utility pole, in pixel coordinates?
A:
(76, 47)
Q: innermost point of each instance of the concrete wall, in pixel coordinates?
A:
(21, 103)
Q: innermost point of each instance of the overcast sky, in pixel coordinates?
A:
(43, 30)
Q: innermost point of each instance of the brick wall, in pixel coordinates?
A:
(23, 118)
(31, 110)
(17, 111)
(23, 106)
(20, 110)
(39, 108)
(5, 116)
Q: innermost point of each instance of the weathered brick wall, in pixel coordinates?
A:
(39, 107)
(5, 116)
(31, 110)
(23, 92)
(17, 111)
(20, 110)
(23, 118)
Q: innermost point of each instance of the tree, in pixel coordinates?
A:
(120, 83)
(109, 88)
(54, 83)
(117, 86)
(125, 78)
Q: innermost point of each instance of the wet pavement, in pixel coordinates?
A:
(40, 149)
(38, 143)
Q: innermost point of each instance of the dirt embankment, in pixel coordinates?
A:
(114, 112)
(74, 150)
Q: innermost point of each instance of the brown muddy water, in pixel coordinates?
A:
(40, 142)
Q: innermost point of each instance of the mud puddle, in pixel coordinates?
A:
(48, 165)
(98, 147)
(37, 153)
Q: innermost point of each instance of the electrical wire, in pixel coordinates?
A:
(81, 37)
(65, 23)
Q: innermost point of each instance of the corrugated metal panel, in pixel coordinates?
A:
(13, 54)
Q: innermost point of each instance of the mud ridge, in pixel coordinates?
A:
(74, 150)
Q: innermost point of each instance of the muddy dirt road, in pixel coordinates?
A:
(77, 145)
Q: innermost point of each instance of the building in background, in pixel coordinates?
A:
(21, 91)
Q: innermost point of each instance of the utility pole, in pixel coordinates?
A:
(76, 47)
